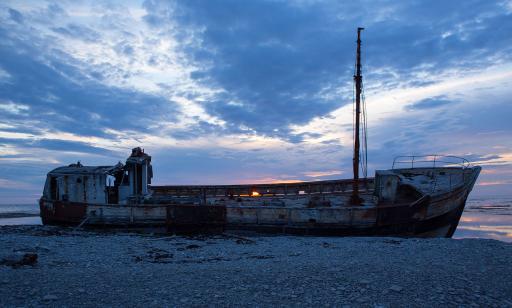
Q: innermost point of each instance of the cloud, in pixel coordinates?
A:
(64, 98)
(263, 64)
(278, 66)
(75, 31)
(318, 174)
(15, 15)
(13, 108)
(429, 103)
(4, 76)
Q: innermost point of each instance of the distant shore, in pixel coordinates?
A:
(17, 215)
(83, 268)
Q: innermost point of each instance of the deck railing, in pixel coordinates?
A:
(279, 189)
(429, 161)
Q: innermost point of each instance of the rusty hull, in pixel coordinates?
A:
(430, 217)
(315, 208)
(173, 218)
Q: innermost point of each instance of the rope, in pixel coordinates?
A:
(364, 133)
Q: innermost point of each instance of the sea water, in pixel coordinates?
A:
(25, 214)
(486, 218)
(489, 218)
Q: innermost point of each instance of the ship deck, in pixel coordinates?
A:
(313, 194)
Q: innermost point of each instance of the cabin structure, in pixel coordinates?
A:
(119, 184)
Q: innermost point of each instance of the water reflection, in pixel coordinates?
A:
(19, 214)
(486, 218)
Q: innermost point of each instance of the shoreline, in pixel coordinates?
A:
(17, 215)
(87, 268)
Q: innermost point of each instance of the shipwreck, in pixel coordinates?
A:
(421, 196)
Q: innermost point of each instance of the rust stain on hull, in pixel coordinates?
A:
(57, 212)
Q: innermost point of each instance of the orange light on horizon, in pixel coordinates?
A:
(255, 194)
(492, 183)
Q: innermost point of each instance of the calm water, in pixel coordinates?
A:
(482, 218)
(27, 209)
(486, 218)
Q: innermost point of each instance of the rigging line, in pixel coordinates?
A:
(365, 123)
(365, 133)
(354, 105)
(362, 117)
(364, 147)
(362, 135)
(362, 150)
(365, 128)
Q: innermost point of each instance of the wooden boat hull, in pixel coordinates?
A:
(429, 217)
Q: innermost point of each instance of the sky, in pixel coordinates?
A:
(225, 92)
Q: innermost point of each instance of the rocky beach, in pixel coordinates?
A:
(78, 268)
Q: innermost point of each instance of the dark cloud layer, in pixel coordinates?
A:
(15, 15)
(428, 103)
(277, 59)
(272, 59)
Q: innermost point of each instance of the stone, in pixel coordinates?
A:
(16, 261)
(50, 297)
(43, 248)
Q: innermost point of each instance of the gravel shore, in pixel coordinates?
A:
(86, 269)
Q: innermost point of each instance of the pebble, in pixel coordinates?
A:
(50, 297)
(362, 299)
(358, 271)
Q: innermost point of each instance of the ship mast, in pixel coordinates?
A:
(358, 79)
